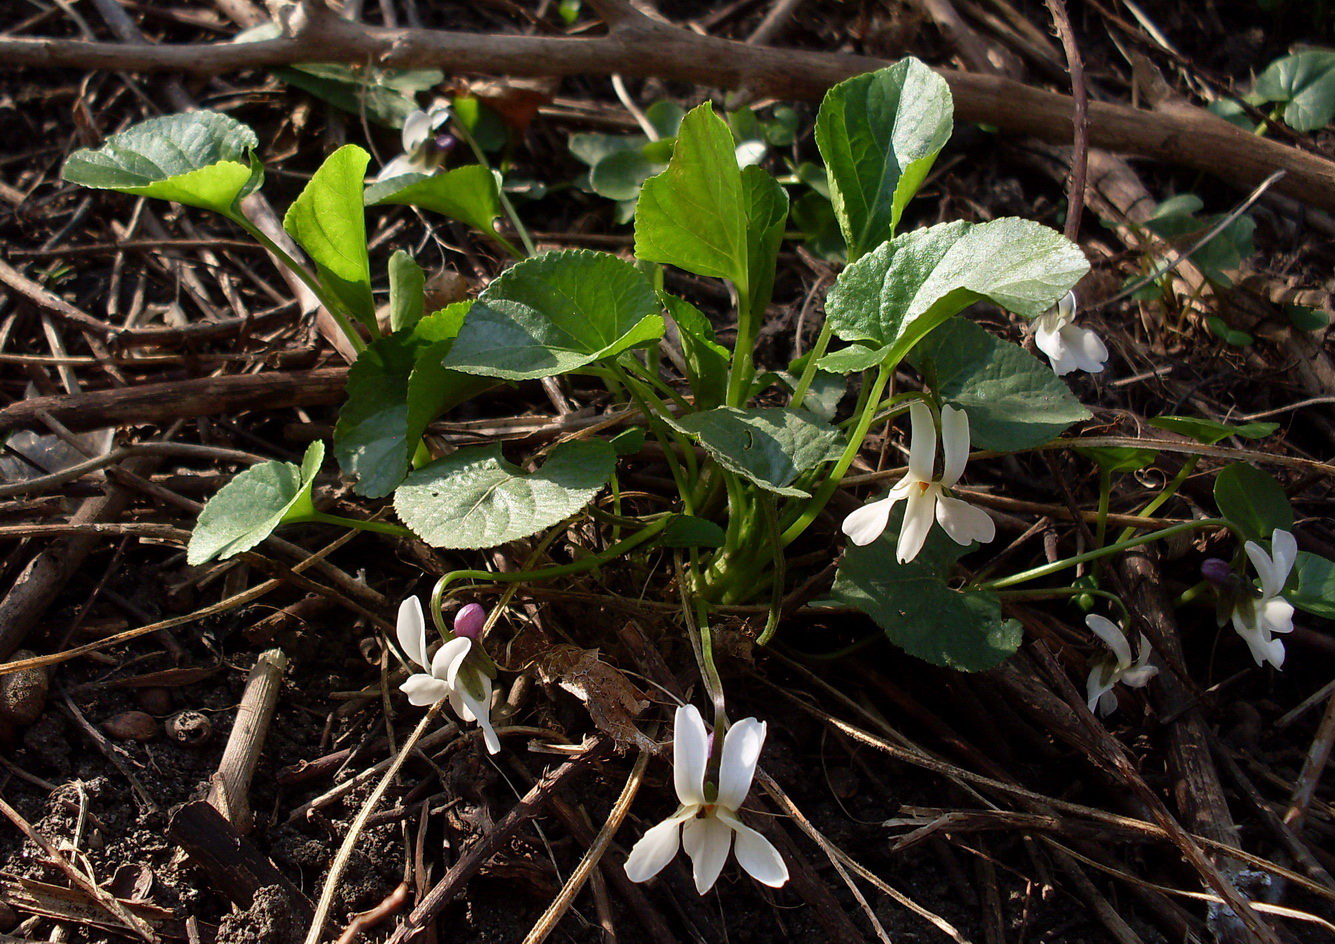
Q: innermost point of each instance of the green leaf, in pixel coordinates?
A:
(628, 442)
(1253, 501)
(1209, 431)
(1013, 400)
(396, 388)
(813, 215)
(247, 509)
(1307, 319)
(766, 213)
(1313, 585)
(918, 611)
(1220, 329)
(591, 148)
(1305, 83)
(555, 313)
(666, 117)
(467, 194)
(686, 531)
(879, 134)
(407, 291)
(693, 215)
(328, 221)
(1118, 459)
(706, 360)
(770, 446)
(385, 97)
(199, 158)
(906, 287)
(854, 358)
(476, 499)
(621, 174)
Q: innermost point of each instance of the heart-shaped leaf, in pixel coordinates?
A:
(769, 446)
(247, 509)
(467, 194)
(555, 313)
(687, 531)
(199, 158)
(1305, 83)
(693, 215)
(894, 296)
(1252, 500)
(1013, 400)
(919, 612)
(327, 220)
(879, 134)
(1313, 585)
(395, 389)
(475, 499)
(1210, 431)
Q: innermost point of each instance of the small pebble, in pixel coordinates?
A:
(132, 726)
(191, 728)
(23, 694)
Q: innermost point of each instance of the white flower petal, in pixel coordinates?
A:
(868, 522)
(737, 765)
(460, 707)
(964, 523)
(449, 657)
(654, 850)
(1285, 547)
(481, 711)
(919, 514)
(1107, 704)
(399, 167)
(1276, 615)
(706, 840)
(1140, 676)
(922, 442)
(411, 630)
(1111, 634)
(1100, 682)
(690, 754)
(1146, 650)
(1048, 339)
(416, 129)
(1066, 307)
(1272, 582)
(954, 444)
(423, 690)
(1084, 348)
(756, 854)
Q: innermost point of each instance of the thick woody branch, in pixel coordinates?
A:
(639, 46)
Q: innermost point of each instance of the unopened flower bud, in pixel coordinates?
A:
(469, 621)
(1217, 571)
(445, 142)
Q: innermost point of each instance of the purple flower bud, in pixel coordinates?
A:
(445, 142)
(469, 621)
(1217, 571)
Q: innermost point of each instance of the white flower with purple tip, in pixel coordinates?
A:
(1106, 673)
(423, 151)
(1258, 617)
(706, 827)
(1068, 346)
(451, 673)
(925, 492)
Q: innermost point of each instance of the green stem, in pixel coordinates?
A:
(831, 483)
(335, 309)
(809, 371)
(743, 365)
(666, 437)
(766, 503)
(1168, 492)
(464, 132)
(696, 615)
(592, 562)
(1056, 566)
(1105, 499)
(1050, 593)
(379, 527)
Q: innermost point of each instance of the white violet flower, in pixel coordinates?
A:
(706, 827)
(1068, 346)
(1121, 668)
(1256, 617)
(422, 152)
(451, 673)
(925, 492)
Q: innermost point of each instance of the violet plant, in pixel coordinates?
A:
(755, 456)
